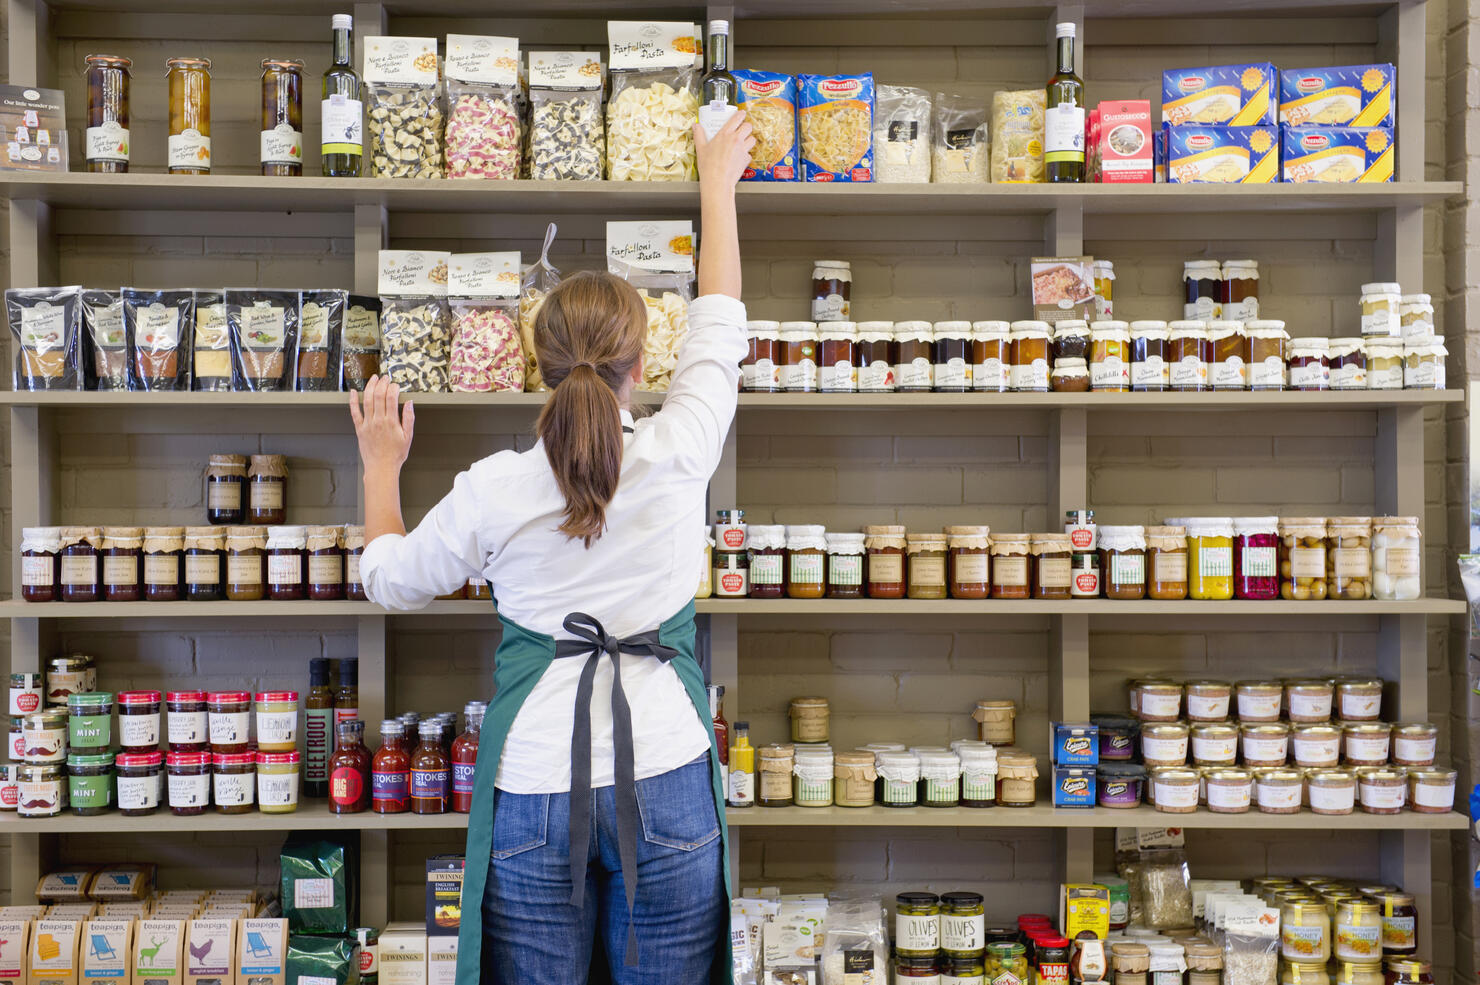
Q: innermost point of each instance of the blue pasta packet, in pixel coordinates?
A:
(835, 114)
(770, 103)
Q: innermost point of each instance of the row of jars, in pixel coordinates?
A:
(198, 564)
(1297, 700)
(1411, 744)
(1275, 790)
(947, 936)
(1076, 356)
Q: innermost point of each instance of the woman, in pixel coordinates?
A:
(598, 802)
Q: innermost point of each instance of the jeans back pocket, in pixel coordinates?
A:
(677, 807)
(520, 823)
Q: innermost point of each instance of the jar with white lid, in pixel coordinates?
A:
(1030, 356)
(1110, 356)
(875, 356)
(991, 357)
(1416, 314)
(1267, 342)
(813, 773)
(1203, 281)
(1423, 363)
(953, 362)
(1381, 308)
(836, 372)
(899, 775)
(832, 290)
(914, 368)
(940, 779)
(1104, 274)
(798, 370)
(1188, 353)
(766, 546)
(1209, 557)
(1071, 340)
(806, 561)
(1346, 363)
(1241, 290)
(1385, 363)
(760, 370)
(1309, 368)
(1149, 368)
(845, 552)
(1229, 369)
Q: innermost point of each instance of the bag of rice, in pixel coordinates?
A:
(902, 134)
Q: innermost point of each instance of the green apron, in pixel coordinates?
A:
(521, 660)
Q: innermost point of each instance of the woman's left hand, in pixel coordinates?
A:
(384, 434)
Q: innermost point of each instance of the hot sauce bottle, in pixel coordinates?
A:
(465, 758)
(349, 770)
(721, 727)
(430, 771)
(390, 772)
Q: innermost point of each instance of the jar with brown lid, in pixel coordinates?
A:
(806, 561)
(885, 562)
(1166, 563)
(774, 765)
(226, 478)
(968, 567)
(40, 564)
(267, 478)
(1016, 772)
(205, 550)
(1010, 566)
(79, 574)
(354, 547)
(1052, 566)
(164, 548)
(926, 557)
(122, 551)
(853, 779)
(1123, 562)
(246, 566)
(325, 563)
(287, 563)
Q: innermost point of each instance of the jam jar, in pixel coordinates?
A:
(89, 723)
(234, 782)
(1382, 305)
(79, 574)
(205, 551)
(1346, 363)
(766, 545)
(1229, 369)
(1416, 315)
(186, 723)
(953, 363)
(774, 766)
(1069, 376)
(1071, 340)
(1052, 566)
(806, 562)
(138, 720)
(1010, 566)
(1166, 563)
(189, 782)
(1240, 297)
(1210, 558)
(228, 720)
(354, 547)
(1385, 363)
(798, 369)
(246, 563)
(837, 371)
(42, 790)
(832, 290)
(1030, 351)
(267, 481)
(845, 564)
(926, 562)
(41, 549)
(122, 550)
(968, 565)
(164, 547)
(875, 356)
(1150, 371)
(991, 356)
(1202, 281)
(760, 370)
(287, 562)
(1189, 351)
(914, 369)
(1123, 562)
(1110, 357)
(885, 562)
(1267, 341)
(226, 479)
(325, 563)
(1424, 363)
(1255, 557)
(140, 782)
(90, 783)
(1308, 366)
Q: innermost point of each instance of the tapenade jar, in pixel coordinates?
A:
(79, 568)
(806, 562)
(325, 563)
(845, 563)
(875, 357)
(914, 369)
(968, 565)
(1123, 562)
(886, 568)
(1052, 566)
(1150, 371)
(991, 356)
(925, 556)
(226, 479)
(760, 370)
(1256, 542)
(122, 550)
(287, 561)
(164, 549)
(1166, 562)
(40, 563)
(246, 563)
(354, 548)
(205, 551)
(1030, 349)
(267, 480)
(1010, 566)
(767, 550)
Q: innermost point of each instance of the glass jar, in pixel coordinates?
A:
(836, 370)
(349, 767)
(962, 925)
(354, 548)
(189, 146)
(767, 550)
(234, 782)
(1016, 772)
(875, 356)
(41, 790)
(1215, 744)
(1349, 558)
(277, 721)
(66, 676)
(1189, 350)
(1174, 789)
(1399, 924)
(107, 135)
(1123, 562)
(1158, 701)
(926, 565)
(845, 554)
(1385, 363)
(1357, 931)
(832, 290)
(886, 568)
(267, 482)
(41, 576)
(246, 563)
(228, 718)
(1256, 564)
(1278, 791)
(282, 118)
(1303, 547)
(1210, 558)
(140, 782)
(760, 370)
(1229, 369)
(953, 363)
(1308, 701)
(1052, 566)
(1202, 281)
(1267, 342)
(122, 552)
(1005, 962)
(1397, 561)
(809, 720)
(44, 735)
(1069, 376)
(1010, 567)
(1110, 357)
(1265, 744)
(853, 779)
(1165, 744)
(1150, 371)
(325, 563)
(1130, 958)
(1346, 364)
(968, 567)
(991, 356)
(940, 779)
(899, 774)
(78, 564)
(774, 766)
(204, 552)
(1071, 340)
(806, 562)
(189, 782)
(287, 561)
(1415, 744)
(1240, 298)
(226, 478)
(914, 370)
(25, 694)
(164, 549)
(1382, 308)
(1366, 743)
(1085, 572)
(1382, 789)
(1308, 367)
(1315, 746)
(1166, 562)
(90, 783)
(1305, 932)
(1230, 790)
(187, 727)
(1359, 699)
(138, 720)
(1208, 701)
(1259, 701)
(1431, 791)
(906, 969)
(1030, 347)
(812, 773)
(995, 721)
(1416, 315)
(1120, 786)
(978, 776)
(277, 782)
(917, 925)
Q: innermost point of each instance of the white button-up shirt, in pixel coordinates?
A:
(501, 520)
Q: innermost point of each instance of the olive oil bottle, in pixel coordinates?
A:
(1063, 125)
(342, 144)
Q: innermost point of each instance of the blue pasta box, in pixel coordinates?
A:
(1341, 96)
(1338, 155)
(1225, 95)
(1223, 155)
(1074, 786)
(1075, 744)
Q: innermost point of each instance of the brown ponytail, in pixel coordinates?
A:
(587, 337)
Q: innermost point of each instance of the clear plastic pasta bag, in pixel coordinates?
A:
(961, 141)
(483, 131)
(650, 121)
(540, 278)
(487, 355)
(902, 142)
(667, 296)
(414, 339)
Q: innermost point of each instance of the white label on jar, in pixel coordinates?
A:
(185, 728)
(352, 569)
(1175, 794)
(1086, 585)
(1385, 373)
(1316, 752)
(282, 145)
(1149, 372)
(229, 728)
(37, 570)
(1360, 707)
(916, 933)
(1312, 376)
(927, 572)
(1010, 572)
(845, 569)
(767, 569)
(830, 308)
(161, 569)
(838, 378)
(1266, 748)
(1245, 310)
(244, 569)
(1418, 752)
(1203, 309)
(731, 584)
(971, 569)
(1163, 750)
(917, 374)
(277, 789)
(1214, 750)
(876, 376)
(202, 569)
(1402, 562)
(267, 495)
(80, 570)
(1371, 749)
(1433, 795)
(1421, 376)
(284, 569)
(1215, 562)
(1108, 374)
(1190, 371)
(1054, 572)
(108, 142)
(760, 375)
(1155, 704)
(1308, 562)
(1299, 943)
(799, 378)
(190, 791)
(327, 569)
(1033, 376)
(1267, 374)
(1278, 796)
(120, 571)
(136, 731)
(277, 728)
(137, 793)
(1229, 796)
(1259, 706)
(1230, 374)
(1383, 798)
(962, 933)
(1381, 320)
(190, 149)
(234, 789)
(992, 374)
(1355, 943)
(1348, 376)
(1206, 708)
(1310, 706)
(44, 745)
(225, 495)
(954, 374)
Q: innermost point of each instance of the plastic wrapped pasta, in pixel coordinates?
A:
(770, 103)
(961, 141)
(1017, 136)
(414, 323)
(46, 327)
(667, 297)
(403, 108)
(539, 279)
(836, 118)
(487, 355)
(650, 126)
(567, 136)
(483, 136)
(902, 128)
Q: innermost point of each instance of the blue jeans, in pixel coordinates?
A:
(532, 935)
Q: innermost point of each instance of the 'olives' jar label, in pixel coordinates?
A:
(186, 728)
(234, 789)
(284, 569)
(90, 791)
(845, 570)
(962, 933)
(190, 791)
(79, 570)
(161, 569)
(202, 569)
(120, 571)
(135, 731)
(1308, 562)
(139, 793)
(277, 728)
(916, 933)
(36, 569)
(229, 728)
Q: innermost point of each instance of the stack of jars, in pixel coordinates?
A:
(1226, 289)
(1091, 356)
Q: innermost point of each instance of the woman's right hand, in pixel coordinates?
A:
(384, 434)
(724, 158)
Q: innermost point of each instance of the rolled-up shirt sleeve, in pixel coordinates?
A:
(438, 557)
(701, 399)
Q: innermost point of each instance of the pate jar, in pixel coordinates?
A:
(1149, 368)
(1174, 789)
(1315, 746)
(122, 552)
(885, 568)
(204, 554)
(79, 575)
(1359, 699)
(766, 547)
(1431, 791)
(798, 369)
(875, 356)
(1122, 553)
(1166, 563)
(1259, 701)
(837, 369)
(1208, 701)
(914, 369)
(287, 561)
(760, 370)
(1366, 743)
(1308, 701)
(991, 356)
(1053, 567)
(164, 550)
(1230, 790)
(1265, 744)
(968, 568)
(1349, 558)
(1303, 548)
(1164, 744)
(1159, 701)
(41, 549)
(1010, 566)
(1278, 791)
(806, 561)
(246, 563)
(845, 564)
(1256, 572)
(1215, 744)
(1382, 789)
(1397, 560)
(926, 556)
(1415, 744)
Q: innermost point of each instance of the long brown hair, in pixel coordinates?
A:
(588, 336)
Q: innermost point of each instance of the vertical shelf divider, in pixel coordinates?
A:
(1068, 647)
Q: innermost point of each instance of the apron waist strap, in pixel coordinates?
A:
(592, 641)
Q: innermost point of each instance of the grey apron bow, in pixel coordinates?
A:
(592, 641)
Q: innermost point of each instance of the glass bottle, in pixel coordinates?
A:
(721, 727)
(430, 771)
(107, 114)
(465, 757)
(282, 117)
(718, 91)
(1063, 144)
(390, 772)
(342, 142)
(349, 770)
(741, 791)
(318, 725)
(347, 695)
(190, 115)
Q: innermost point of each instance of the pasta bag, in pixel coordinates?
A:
(902, 125)
(540, 278)
(657, 258)
(1017, 136)
(770, 103)
(961, 140)
(486, 355)
(836, 115)
(653, 107)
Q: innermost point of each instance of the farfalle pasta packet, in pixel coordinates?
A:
(540, 278)
(770, 103)
(657, 258)
(403, 108)
(483, 127)
(414, 320)
(836, 116)
(653, 107)
(483, 296)
(567, 136)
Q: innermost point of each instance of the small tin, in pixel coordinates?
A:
(1073, 786)
(1120, 785)
(1117, 738)
(1075, 744)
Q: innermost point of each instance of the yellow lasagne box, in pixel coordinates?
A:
(1223, 155)
(1343, 96)
(1225, 95)
(1338, 155)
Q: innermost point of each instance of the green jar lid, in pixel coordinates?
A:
(89, 699)
(89, 761)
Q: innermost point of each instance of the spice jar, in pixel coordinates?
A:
(107, 134)
(1278, 791)
(1208, 701)
(1359, 699)
(325, 563)
(78, 563)
(845, 553)
(1385, 363)
(978, 776)
(277, 782)
(287, 561)
(1150, 371)
(1030, 345)
(226, 478)
(267, 479)
(1259, 701)
(1016, 772)
(1229, 368)
(41, 564)
(1308, 701)
(1366, 743)
(204, 551)
(1265, 745)
(189, 782)
(875, 355)
(767, 550)
(1267, 341)
(953, 363)
(1071, 340)
(1314, 746)
(1382, 309)
(836, 371)
(282, 117)
(1382, 789)
(760, 370)
(853, 779)
(90, 783)
(164, 549)
(1415, 744)
(1052, 566)
(122, 551)
(1307, 367)
(914, 369)
(1305, 932)
(806, 562)
(246, 563)
(1110, 357)
(277, 721)
(1123, 562)
(968, 566)
(44, 736)
(1210, 557)
(234, 782)
(809, 719)
(991, 356)
(189, 144)
(1166, 560)
(228, 716)
(1256, 542)
(41, 790)
(1346, 364)
(1189, 350)
(832, 290)
(1230, 790)
(886, 567)
(774, 765)
(812, 772)
(66, 676)
(1069, 376)
(1215, 744)
(926, 557)
(138, 720)
(1397, 562)
(1431, 791)
(186, 722)
(140, 782)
